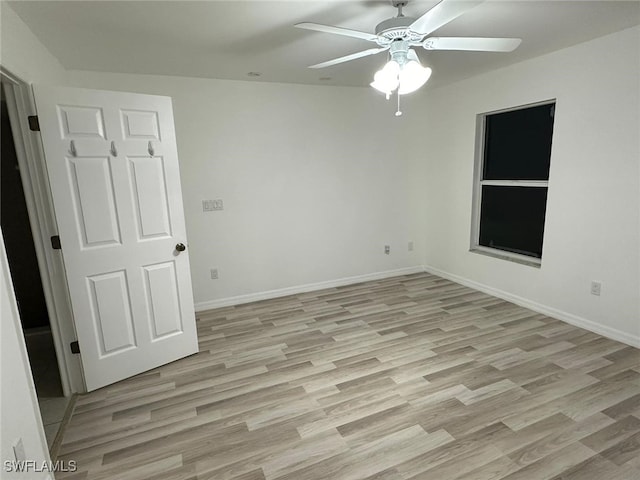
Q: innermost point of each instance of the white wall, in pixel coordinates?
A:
(23, 55)
(592, 229)
(314, 181)
(19, 413)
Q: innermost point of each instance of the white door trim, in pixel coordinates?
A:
(20, 104)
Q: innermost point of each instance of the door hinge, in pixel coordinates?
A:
(75, 347)
(34, 123)
(55, 242)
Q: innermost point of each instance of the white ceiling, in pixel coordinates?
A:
(228, 39)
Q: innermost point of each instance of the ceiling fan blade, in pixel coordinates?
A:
(441, 14)
(476, 44)
(346, 58)
(337, 30)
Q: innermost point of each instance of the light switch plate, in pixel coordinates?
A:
(212, 205)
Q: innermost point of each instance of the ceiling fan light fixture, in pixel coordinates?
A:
(412, 77)
(386, 80)
(406, 75)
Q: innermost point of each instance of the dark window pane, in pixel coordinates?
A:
(518, 144)
(512, 219)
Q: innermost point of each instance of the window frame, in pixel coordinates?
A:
(478, 183)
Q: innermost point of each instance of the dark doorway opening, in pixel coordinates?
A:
(26, 280)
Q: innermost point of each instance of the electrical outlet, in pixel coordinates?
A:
(410, 246)
(218, 205)
(596, 288)
(214, 274)
(387, 249)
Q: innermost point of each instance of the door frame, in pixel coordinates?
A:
(33, 172)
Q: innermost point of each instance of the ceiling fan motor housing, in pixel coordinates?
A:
(394, 28)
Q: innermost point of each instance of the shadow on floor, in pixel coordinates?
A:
(46, 377)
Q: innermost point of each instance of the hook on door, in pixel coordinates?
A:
(150, 149)
(72, 149)
(114, 150)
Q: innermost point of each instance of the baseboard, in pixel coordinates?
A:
(310, 287)
(54, 449)
(570, 318)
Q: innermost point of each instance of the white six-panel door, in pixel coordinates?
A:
(113, 168)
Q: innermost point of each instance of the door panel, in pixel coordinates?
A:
(81, 122)
(118, 202)
(163, 302)
(150, 191)
(140, 124)
(94, 204)
(111, 312)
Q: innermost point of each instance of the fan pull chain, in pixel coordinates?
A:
(398, 112)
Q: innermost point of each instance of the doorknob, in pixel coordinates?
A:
(181, 247)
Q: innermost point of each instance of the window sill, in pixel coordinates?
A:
(511, 257)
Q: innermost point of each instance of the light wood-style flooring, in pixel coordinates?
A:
(412, 377)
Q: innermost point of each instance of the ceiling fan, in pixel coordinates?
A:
(398, 34)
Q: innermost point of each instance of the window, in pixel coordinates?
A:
(511, 181)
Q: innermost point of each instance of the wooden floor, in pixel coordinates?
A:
(412, 377)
